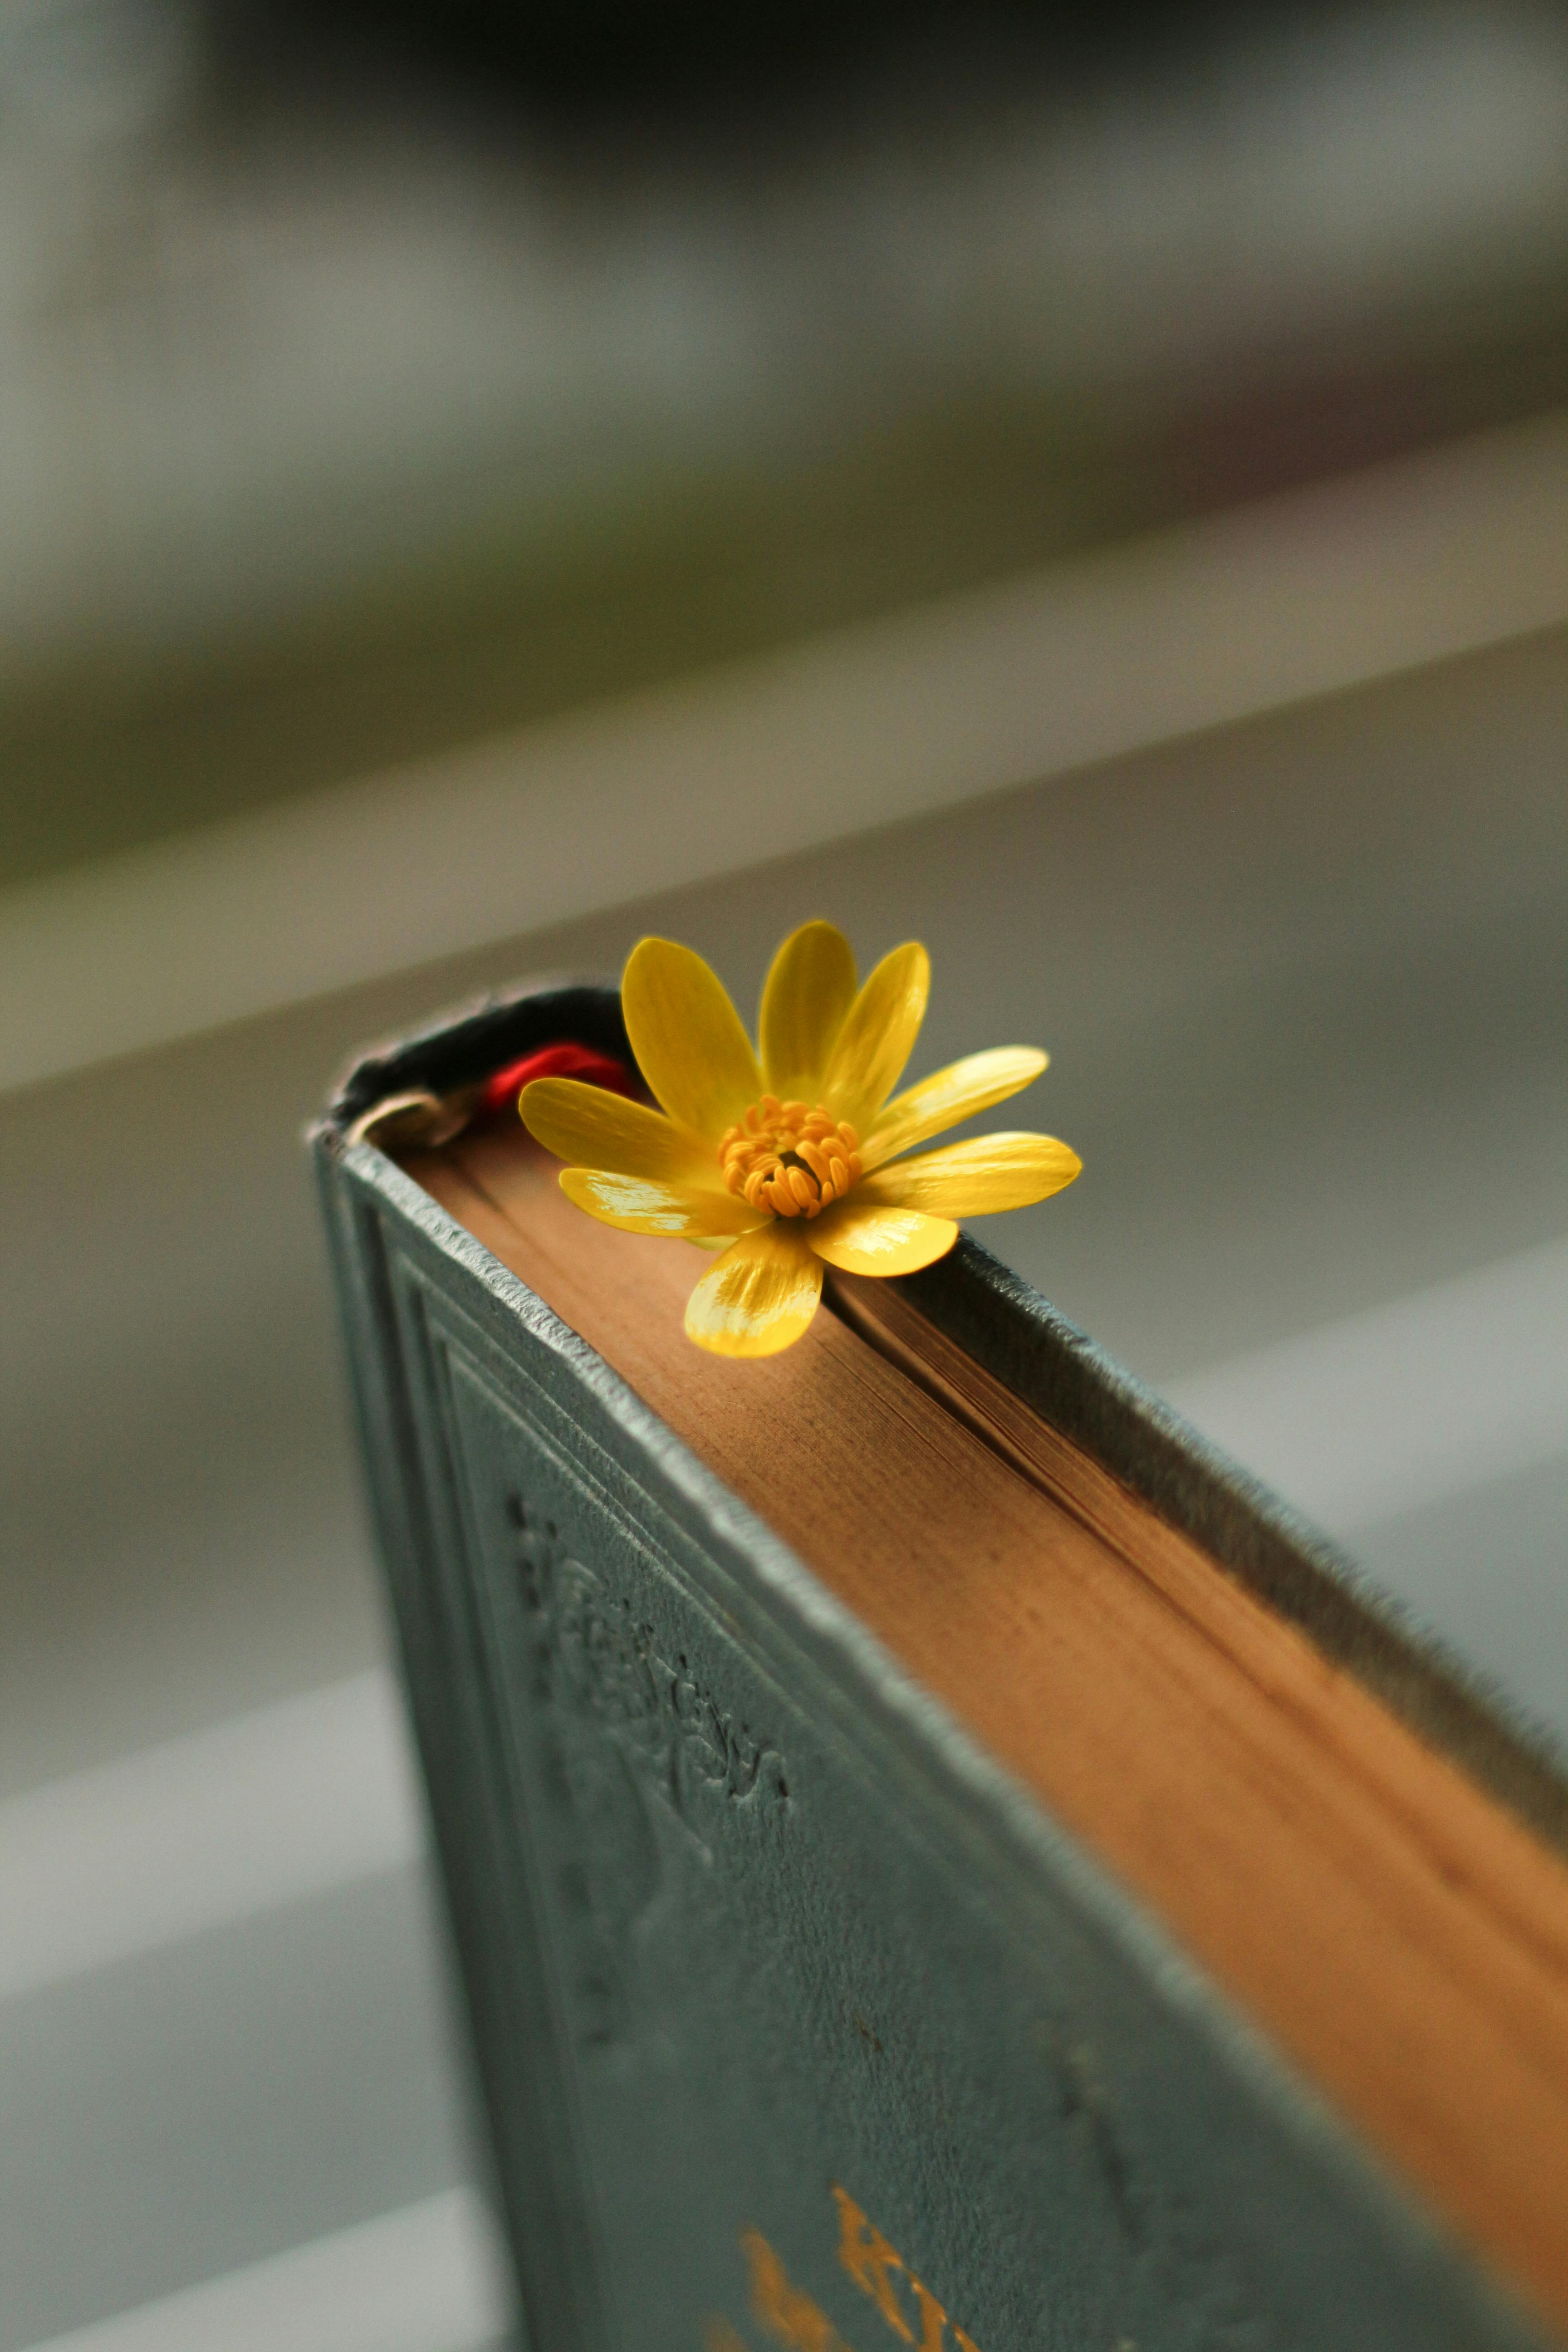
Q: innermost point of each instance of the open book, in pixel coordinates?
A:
(935, 1855)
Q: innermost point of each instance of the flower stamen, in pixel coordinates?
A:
(790, 1158)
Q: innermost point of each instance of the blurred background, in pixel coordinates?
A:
(480, 483)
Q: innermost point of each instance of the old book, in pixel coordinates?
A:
(936, 1854)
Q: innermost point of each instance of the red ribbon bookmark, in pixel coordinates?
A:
(501, 1091)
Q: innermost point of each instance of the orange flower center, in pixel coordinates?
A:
(789, 1159)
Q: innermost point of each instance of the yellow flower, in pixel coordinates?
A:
(785, 1158)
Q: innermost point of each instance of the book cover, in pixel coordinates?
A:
(801, 2022)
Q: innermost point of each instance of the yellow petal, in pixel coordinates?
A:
(947, 1095)
(687, 1037)
(973, 1179)
(809, 990)
(588, 1127)
(638, 1205)
(864, 1237)
(878, 1036)
(759, 1297)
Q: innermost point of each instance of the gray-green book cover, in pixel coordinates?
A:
(800, 2022)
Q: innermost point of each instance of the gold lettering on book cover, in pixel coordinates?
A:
(875, 2268)
(785, 2310)
(796, 2322)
